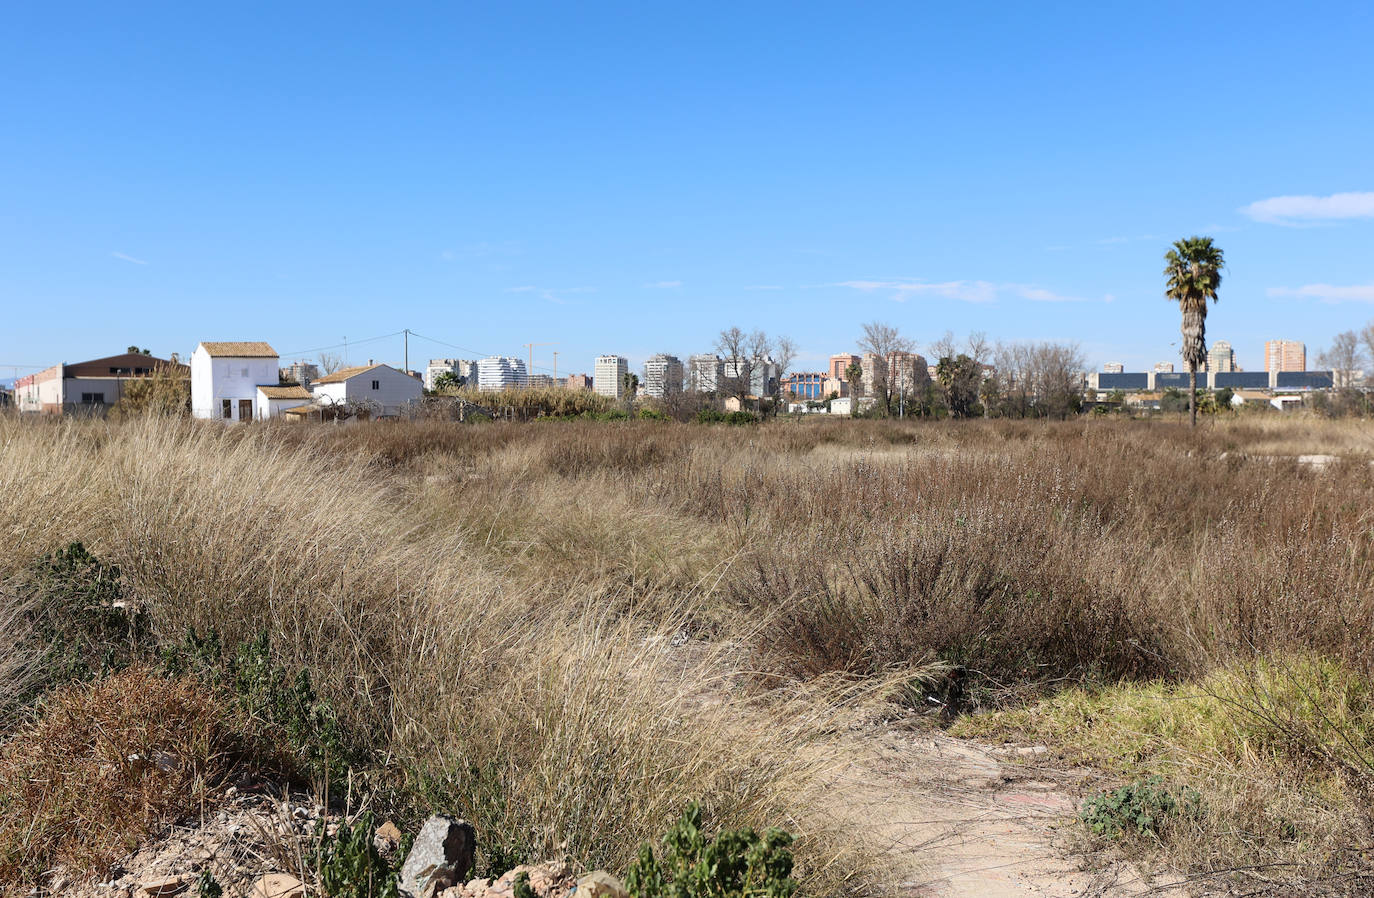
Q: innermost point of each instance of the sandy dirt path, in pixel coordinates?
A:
(959, 819)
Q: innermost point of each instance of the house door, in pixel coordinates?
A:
(245, 410)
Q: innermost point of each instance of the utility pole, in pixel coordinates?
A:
(555, 367)
(407, 339)
(529, 372)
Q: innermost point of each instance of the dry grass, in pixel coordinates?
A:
(100, 768)
(492, 604)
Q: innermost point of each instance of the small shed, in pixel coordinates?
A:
(272, 401)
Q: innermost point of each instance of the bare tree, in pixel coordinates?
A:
(784, 353)
(883, 340)
(978, 348)
(1367, 337)
(1344, 358)
(330, 362)
(945, 347)
(1036, 380)
(733, 344)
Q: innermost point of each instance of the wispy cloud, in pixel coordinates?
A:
(1327, 292)
(663, 285)
(964, 291)
(1299, 210)
(128, 258)
(552, 294)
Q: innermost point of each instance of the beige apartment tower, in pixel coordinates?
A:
(608, 377)
(1285, 355)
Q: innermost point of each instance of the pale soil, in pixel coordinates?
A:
(959, 819)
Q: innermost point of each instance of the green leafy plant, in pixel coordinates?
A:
(310, 725)
(350, 866)
(207, 886)
(1143, 807)
(81, 615)
(522, 887)
(735, 864)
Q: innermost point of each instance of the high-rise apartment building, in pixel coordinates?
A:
(763, 377)
(1113, 368)
(703, 373)
(662, 375)
(541, 381)
(873, 376)
(579, 382)
(1285, 355)
(1221, 357)
(1164, 367)
(303, 373)
(608, 375)
(839, 365)
(907, 372)
(502, 373)
(734, 375)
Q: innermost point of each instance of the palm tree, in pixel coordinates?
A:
(855, 373)
(1193, 274)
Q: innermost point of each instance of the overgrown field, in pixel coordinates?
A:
(476, 618)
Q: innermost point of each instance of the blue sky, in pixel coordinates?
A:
(632, 178)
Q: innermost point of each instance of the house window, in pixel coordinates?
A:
(226, 407)
(93, 398)
(244, 371)
(376, 385)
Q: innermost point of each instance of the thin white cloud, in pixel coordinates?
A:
(128, 258)
(1327, 292)
(1294, 210)
(663, 285)
(552, 294)
(962, 291)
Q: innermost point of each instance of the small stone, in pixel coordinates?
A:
(277, 885)
(442, 855)
(162, 888)
(387, 837)
(600, 884)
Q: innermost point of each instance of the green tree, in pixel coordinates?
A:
(448, 381)
(1192, 274)
(855, 373)
(960, 378)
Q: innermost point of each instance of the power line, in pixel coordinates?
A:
(298, 352)
(477, 352)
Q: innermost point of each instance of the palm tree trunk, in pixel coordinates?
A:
(1192, 395)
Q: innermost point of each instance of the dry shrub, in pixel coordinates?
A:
(101, 767)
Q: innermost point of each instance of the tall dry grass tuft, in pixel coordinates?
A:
(469, 683)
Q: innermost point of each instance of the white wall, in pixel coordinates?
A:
(394, 391)
(214, 379)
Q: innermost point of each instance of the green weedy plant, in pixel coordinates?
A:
(1142, 807)
(350, 866)
(81, 616)
(310, 725)
(736, 864)
(207, 886)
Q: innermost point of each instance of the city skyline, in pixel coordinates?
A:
(637, 183)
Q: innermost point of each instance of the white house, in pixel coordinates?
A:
(272, 401)
(225, 378)
(382, 386)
